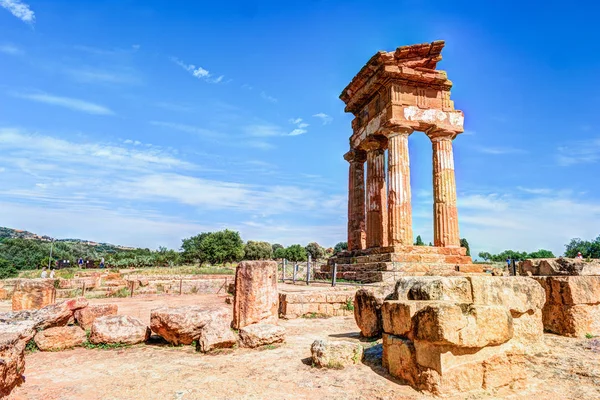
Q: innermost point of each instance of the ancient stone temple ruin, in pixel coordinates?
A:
(393, 95)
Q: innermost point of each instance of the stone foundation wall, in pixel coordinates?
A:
(329, 304)
(573, 305)
(458, 334)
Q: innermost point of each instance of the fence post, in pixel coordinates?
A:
(308, 270)
(334, 274)
(83, 290)
(132, 288)
(283, 262)
(294, 273)
(180, 286)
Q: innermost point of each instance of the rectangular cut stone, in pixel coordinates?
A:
(463, 325)
(456, 289)
(519, 294)
(571, 290)
(399, 358)
(397, 316)
(33, 294)
(256, 298)
(572, 320)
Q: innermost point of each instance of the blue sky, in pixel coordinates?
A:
(141, 123)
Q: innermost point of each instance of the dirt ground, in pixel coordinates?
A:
(569, 369)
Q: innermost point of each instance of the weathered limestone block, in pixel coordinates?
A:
(60, 338)
(367, 312)
(183, 325)
(33, 294)
(262, 334)
(216, 334)
(463, 325)
(335, 355)
(559, 266)
(57, 314)
(256, 298)
(573, 306)
(12, 359)
(86, 316)
(458, 334)
(121, 329)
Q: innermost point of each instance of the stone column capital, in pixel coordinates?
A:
(396, 130)
(356, 155)
(436, 134)
(377, 142)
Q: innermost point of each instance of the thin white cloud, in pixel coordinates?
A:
(300, 127)
(326, 119)
(500, 150)
(10, 49)
(581, 152)
(186, 128)
(19, 10)
(297, 132)
(268, 98)
(263, 130)
(91, 75)
(198, 71)
(67, 102)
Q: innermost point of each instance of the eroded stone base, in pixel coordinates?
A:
(388, 264)
(448, 335)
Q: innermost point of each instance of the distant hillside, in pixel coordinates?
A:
(9, 233)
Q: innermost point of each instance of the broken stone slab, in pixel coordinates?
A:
(119, 329)
(261, 334)
(12, 359)
(367, 312)
(337, 355)
(60, 338)
(256, 297)
(50, 316)
(216, 334)
(33, 294)
(86, 316)
(183, 325)
(559, 266)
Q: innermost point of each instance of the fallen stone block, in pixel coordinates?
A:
(86, 316)
(573, 306)
(216, 334)
(262, 334)
(12, 359)
(367, 312)
(33, 294)
(183, 325)
(119, 329)
(335, 355)
(60, 338)
(256, 298)
(57, 314)
(559, 266)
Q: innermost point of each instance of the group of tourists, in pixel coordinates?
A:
(45, 274)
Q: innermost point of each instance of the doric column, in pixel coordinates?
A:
(356, 199)
(445, 214)
(376, 193)
(399, 206)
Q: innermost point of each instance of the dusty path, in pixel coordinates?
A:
(568, 370)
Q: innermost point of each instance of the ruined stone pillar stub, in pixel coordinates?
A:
(356, 199)
(399, 194)
(377, 235)
(445, 213)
